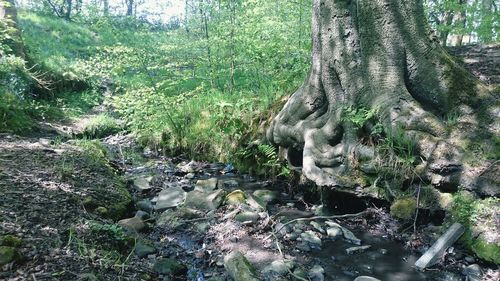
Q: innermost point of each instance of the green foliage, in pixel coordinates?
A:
(479, 217)
(101, 126)
(263, 159)
(359, 116)
(105, 243)
(113, 232)
(396, 142)
(458, 17)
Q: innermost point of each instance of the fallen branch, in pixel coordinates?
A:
(367, 211)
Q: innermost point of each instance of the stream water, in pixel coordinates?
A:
(386, 259)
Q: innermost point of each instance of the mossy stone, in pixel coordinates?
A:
(236, 197)
(10, 241)
(404, 208)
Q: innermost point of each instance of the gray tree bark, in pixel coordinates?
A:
(377, 54)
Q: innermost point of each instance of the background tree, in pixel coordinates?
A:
(9, 31)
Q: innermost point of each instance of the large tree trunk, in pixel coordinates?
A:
(376, 55)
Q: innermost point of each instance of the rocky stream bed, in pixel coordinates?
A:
(188, 220)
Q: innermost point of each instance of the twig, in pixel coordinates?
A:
(321, 218)
(416, 211)
(198, 219)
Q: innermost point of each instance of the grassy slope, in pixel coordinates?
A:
(162, 101)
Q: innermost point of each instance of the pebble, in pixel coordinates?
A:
(358, 249)
(316, 273)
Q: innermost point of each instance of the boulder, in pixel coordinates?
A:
(204, 201)
(206, 185)
(134, 224)
(170, 198)
(239, 268)
(266, 195)
(311, 239)
(334, 232)
(142, 183)
(277, 268)
(142, 249)
(236, 197)
(247, 217)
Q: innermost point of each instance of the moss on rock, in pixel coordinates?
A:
(479, 218)
(10, 241)
(403, 208)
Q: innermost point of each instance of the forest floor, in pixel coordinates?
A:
(78, 209)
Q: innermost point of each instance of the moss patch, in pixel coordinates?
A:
(403, 208)
(479, 218)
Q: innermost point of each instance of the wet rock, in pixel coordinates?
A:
(142, 215)
(169, 267)
(188, 168)
(239, 268)
(266, 195)
(470, 259)
(383, 251)
(366, 278)
(236, 197)
(8, 255)
(303, 246)
(277, 269)
(348, 235)
(316, 273)
(437, 249)
(311, 239)
(170, 198)
(334, 232)
(145, 205)
(134, 224)
(204, 201)
(255, 203)
(142, 183)
(294, 236)
(473, 272)
(142, 249)
(247, 217)
(174, 219)
(230, 183)
(189, 176)
(206, 185)
(358, 249)
(317, 226)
